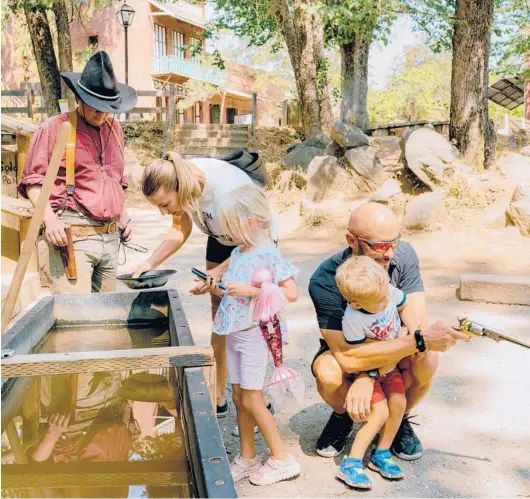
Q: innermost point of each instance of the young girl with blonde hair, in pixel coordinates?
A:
(246, 217)
(190, 190)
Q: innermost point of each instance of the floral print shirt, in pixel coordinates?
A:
(234, 313)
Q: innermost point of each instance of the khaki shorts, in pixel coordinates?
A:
(96, 259)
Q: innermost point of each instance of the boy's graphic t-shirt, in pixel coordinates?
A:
(358, 325)
(234, 312)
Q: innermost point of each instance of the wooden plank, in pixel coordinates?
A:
(14, 110)
(23, 142)
(113, 360)
(17, 126)
(87, 474)
(20, 208)
(207, 454)
(13, 93)
(152, 93)
(147, 110)
(36, 221)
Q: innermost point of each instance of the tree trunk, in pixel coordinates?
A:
(65, 47)
(354, 72)
(326, 116)
(469, 80)
(300, 31)
(41, 40)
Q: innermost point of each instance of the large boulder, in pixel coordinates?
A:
(429, 156)
(320, 141)
(301, 156)
(366, 167)
(325, 178)
(422, 211)
(516, 167)
(348, 136)
(518, 213)
(390, 194)
(525, 151)
(333, 149)
(133, 169)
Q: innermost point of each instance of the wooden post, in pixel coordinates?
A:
(23, 142)
(210, 378)
(36, 221)
(171, 123)
(254, 114)
(222, 118)
(29, 100)
(15, 443)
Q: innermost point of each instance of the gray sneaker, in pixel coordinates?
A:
(235, 431)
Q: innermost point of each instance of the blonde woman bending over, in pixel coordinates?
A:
(190, 191)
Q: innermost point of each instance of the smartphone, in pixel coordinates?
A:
(203, 276)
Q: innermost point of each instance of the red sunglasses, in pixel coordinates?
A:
(380, 245)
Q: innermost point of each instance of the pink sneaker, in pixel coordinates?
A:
(274, 471)
(241, 467)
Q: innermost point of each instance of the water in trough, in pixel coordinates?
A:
(104, 434)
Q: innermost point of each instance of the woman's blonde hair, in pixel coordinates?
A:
(174, 174)
(235, 210)
(361, 278)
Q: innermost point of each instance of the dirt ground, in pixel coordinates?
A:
(473, 424)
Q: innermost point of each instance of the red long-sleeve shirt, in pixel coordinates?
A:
(99, 185)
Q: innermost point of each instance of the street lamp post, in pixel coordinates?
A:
(125, 17)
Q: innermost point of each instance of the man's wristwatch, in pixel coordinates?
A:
(420, 342)
(373, 373)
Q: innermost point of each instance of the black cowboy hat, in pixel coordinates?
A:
(97, 86)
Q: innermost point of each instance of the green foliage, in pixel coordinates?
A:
(512, 43)
(245, 18)
(511, 30)
(346, 19)
(423, 81)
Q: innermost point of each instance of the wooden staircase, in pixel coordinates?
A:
(196, 140)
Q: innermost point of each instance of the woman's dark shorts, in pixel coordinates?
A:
(217, 252)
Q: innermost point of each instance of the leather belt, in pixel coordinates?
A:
(88, 230)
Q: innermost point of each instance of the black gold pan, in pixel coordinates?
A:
(151, 279)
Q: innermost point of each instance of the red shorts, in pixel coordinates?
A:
(387, 385)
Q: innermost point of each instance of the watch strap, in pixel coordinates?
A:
(420, 342)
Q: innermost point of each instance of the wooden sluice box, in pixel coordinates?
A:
(106, 395)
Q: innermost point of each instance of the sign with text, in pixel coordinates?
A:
(243, 119)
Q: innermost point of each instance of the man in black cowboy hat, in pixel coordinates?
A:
(88, 195)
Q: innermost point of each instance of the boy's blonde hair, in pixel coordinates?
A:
(174, 173)
(361, 278)
(235, 210)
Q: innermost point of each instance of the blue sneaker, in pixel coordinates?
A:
(383, 462)
(351, 472)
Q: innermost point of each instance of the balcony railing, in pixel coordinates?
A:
(185, 67)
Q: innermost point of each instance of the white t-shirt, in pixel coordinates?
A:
(221, 179)
(385, 325)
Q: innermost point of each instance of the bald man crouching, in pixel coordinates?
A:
(345, 373)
